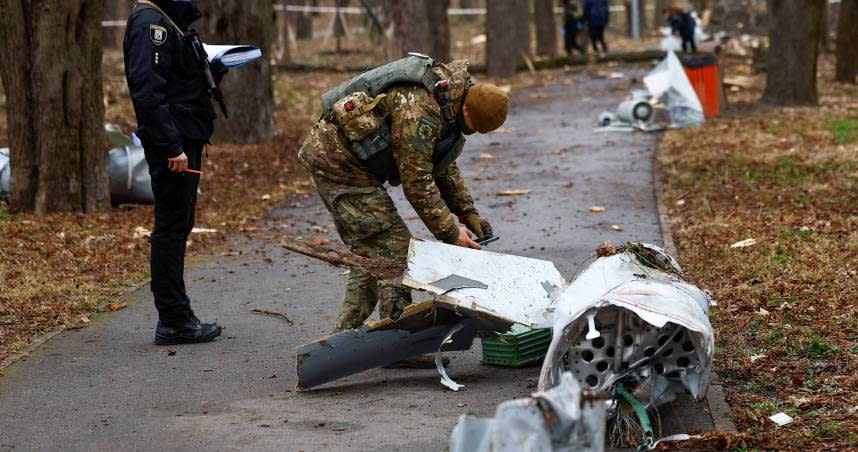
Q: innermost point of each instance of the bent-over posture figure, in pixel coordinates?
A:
(400, 123)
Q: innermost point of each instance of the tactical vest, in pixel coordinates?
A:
(375, 152)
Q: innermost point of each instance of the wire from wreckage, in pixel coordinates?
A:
(640, 412)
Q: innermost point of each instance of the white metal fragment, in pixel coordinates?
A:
(517, 288)
(439, 362)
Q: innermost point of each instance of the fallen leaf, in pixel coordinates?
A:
(84, 318)
(513, 192)
(596, 209)
(266, 197)
(140, 232)
(744, 243)
(411, 217)
(763, 312)
(569, 185)
(557, 151)
(540, 95)
(319, 241)
(616, 75)
(616, 227)
(756, 357)
(117, 306)
(486, 156)
(681, 202)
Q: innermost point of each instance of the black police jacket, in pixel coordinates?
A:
(168, 90)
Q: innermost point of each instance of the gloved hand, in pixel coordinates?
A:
(477, 225)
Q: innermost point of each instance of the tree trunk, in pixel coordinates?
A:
(503, 46)
(115, 10)
(847, 38)
(521, 16)
(436, 11)
(247, 91)
(546, 28)
(791, 62)
(52, 78)
(283, 41)
(823, 29)
(659, 19)
(412, 31)
(302, 22)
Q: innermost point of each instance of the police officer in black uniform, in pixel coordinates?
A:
(175, 120)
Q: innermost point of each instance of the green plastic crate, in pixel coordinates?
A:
(520, 346)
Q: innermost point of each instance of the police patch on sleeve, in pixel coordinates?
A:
(424, 134)
(158, 34)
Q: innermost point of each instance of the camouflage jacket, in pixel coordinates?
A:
(416, 126)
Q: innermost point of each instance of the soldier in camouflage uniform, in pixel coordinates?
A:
(419, 110)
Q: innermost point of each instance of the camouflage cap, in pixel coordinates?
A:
(487, 107)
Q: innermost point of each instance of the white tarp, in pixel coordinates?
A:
(669, 83)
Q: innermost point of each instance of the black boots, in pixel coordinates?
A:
(191, 332)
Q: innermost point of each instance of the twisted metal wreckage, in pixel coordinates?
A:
(628, 334)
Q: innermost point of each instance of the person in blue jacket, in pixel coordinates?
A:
(596, 17)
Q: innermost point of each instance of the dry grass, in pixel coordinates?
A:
(787, 323)
(57, 269)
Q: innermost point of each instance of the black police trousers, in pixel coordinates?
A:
(175, 205)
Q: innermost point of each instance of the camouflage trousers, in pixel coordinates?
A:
(370, 226)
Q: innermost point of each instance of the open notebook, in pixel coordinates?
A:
(231, 56)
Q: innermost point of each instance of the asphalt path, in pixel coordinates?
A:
(108, 387)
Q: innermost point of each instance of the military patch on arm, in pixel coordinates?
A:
(157, 34)
(424, 134)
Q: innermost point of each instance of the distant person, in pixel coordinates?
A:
(571, 24)
(596, 16)
(683, 24)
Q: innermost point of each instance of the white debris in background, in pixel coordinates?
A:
(744, 243)
(669, 83)
(554, 420)
(129, 173)
(5, 175)
(781, 419)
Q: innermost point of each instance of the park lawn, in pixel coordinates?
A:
(787, 317)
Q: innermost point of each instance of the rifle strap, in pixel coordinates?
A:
(156, 8)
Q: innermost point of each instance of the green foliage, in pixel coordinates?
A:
(763, 407)
(844, 131)
(829, 430)
(815, 348)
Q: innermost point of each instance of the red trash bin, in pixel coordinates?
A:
(702, 72)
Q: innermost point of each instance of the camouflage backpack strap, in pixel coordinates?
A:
(415, 69)
(450, 89)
